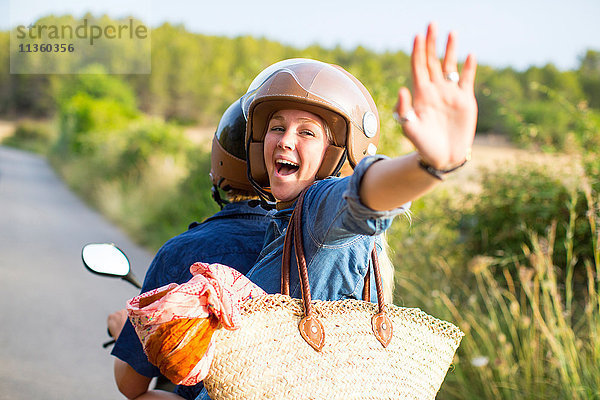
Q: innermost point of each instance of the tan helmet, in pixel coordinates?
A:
(323, 89)
(228, 170)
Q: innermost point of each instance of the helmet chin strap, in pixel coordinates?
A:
(336, 171)
(216, 195)
(265, 196)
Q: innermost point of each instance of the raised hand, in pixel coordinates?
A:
(441, 115)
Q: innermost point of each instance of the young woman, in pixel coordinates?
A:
(308, 119)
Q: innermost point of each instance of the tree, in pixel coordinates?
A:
(589, 72)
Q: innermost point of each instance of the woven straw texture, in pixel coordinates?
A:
(268, 359)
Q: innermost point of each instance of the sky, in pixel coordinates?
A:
(501, 33)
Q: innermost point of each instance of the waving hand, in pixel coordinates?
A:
(441, 115)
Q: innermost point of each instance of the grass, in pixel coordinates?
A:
(533, 334)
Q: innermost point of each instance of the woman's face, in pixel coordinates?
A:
(295, 144)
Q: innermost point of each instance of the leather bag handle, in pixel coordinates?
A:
(310, 327)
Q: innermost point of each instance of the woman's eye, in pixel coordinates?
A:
(308, 133)
(276, 129)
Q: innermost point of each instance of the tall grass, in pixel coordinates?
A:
(147, 178)
(533, 334)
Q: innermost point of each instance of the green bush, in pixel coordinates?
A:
(94, 81)
(91, 106)
(545, 123)
(83, 114)
(527, 301)
(147, 177)
(514, 204)
(191, 201)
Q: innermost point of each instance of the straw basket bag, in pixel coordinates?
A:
(348, 349)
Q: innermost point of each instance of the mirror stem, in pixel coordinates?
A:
(133, 280)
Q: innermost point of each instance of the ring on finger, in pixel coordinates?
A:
(452, 76)
(410, 116)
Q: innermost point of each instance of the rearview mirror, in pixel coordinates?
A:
(105, 259)
(108, 260)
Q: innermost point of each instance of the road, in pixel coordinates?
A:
(53, 311)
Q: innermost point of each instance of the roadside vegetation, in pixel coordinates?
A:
(515, 265)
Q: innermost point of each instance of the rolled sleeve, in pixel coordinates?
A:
(375, 222)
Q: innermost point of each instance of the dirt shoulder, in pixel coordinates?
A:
(7, 128)
(496, 152)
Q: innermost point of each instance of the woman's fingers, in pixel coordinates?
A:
(426, 65)
(433, 63)
(450, 61)
(467, 78)
(405, 114)
(419, 62)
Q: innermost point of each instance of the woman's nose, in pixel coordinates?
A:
(287, 141)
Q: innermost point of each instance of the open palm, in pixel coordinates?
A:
(441, 115)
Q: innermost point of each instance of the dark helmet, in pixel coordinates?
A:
(228, 155)
(323, 89)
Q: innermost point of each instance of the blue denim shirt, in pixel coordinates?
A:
(338, 236)
(233, 236)
(339, 233)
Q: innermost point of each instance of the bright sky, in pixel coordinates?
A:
(516, 33)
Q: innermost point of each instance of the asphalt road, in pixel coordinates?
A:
(52, 310)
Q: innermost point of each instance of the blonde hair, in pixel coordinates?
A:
(235, 195)
(387, 269)
(328, 132)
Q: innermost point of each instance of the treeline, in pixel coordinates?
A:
(195, 77)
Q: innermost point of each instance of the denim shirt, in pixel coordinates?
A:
(338, 234)
(233, 236)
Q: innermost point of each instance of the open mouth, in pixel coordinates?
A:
(285, 167)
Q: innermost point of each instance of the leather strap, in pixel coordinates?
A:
(366, 294)
(310, 327)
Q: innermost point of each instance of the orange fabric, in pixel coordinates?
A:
(177, 346)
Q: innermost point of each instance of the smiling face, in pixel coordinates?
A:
(295, 144)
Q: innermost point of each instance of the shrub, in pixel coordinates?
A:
(531, 331)
(84, 122)
(92, 105)
(428, 237)
(191, 201)
(514, 204)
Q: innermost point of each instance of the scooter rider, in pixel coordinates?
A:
(233, 236)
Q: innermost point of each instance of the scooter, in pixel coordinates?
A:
(106, 259)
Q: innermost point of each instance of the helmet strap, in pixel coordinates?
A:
(336, 171)
(216, 195)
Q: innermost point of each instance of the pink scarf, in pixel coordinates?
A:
(175, 323)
